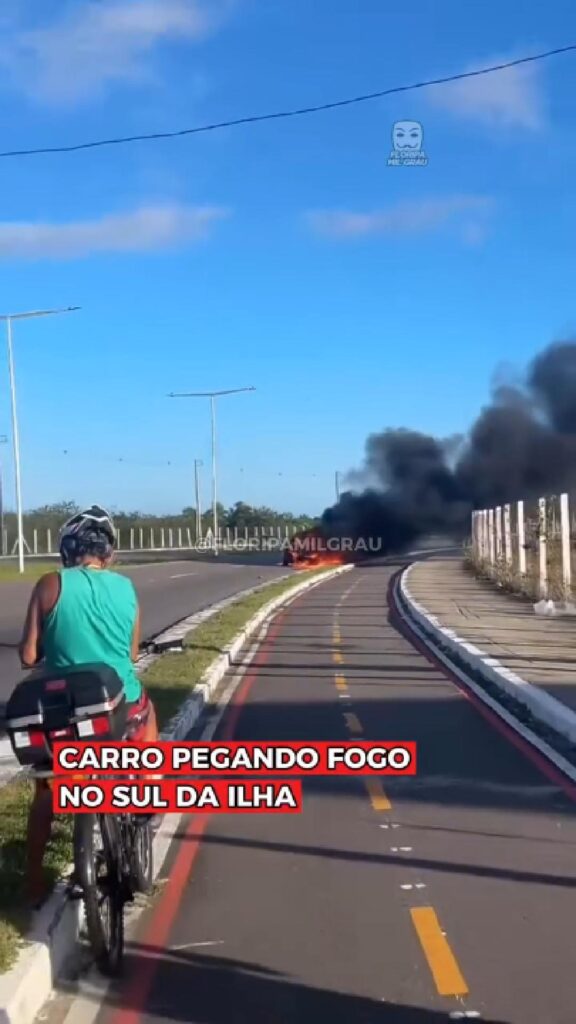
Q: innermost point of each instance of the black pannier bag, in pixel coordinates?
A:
(85, 703)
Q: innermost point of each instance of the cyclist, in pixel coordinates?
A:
(83, 614)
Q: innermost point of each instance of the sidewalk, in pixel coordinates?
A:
(542, 651)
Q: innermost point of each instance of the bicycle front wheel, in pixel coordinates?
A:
(97, 851)
(142, 854)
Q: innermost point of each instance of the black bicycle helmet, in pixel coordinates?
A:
(88, 533)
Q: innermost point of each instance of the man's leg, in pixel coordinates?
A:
(39, 832)
(151, 730)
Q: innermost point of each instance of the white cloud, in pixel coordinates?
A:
(146, 229)
(468, 213)
(509, 98)
(94, 44)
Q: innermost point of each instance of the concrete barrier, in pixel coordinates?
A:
(547, 724)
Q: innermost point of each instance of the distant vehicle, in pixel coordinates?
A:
(306, 547)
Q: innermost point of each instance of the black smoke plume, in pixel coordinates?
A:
(521, 446)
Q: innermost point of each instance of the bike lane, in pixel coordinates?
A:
(410, 902)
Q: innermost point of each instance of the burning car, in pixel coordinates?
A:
(309, 549)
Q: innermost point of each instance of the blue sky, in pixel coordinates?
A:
(286, 255)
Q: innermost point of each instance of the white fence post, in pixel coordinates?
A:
(170, 539)
(566, 555)
(498, 532)
(119, 540)
(491, 537)
(131, 538)
(141, 534)
(481, 534)
(179, 536)
(542, 548)
(162, 537)
(521, 539)
(507, 535)
(152, 543)
(35, 542)
(189, 536)
(49, 541)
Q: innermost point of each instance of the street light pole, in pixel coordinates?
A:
(212, 395)
(197, 464)
(3, 440)
(15, 435)
(214, 486)
(16, 443)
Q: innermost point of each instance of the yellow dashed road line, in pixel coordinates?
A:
(443, 965)
(441, 960)
(378, 798)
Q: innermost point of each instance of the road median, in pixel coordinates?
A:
(33, 952)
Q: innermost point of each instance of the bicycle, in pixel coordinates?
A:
(107, 879)
(88, 700)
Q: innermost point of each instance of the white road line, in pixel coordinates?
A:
(6, 752)
(181, 575)
(196, 945)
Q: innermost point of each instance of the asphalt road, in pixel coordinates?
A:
(168, 591)
(449, 894)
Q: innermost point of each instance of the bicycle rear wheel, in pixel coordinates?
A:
(97, 852)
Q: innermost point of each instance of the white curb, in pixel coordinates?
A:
(542, 705)
(26, 987)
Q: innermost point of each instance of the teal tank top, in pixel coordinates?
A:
(93, 621)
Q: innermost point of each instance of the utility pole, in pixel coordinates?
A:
(212, 395)
(214, 494)
(3, 440)
(8, 320)
(197, 464)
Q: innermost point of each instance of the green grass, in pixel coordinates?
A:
(14, 917)
(170, 679)
(32, 571)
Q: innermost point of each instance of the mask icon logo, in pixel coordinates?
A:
(407, 141)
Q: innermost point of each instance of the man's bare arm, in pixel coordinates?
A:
(29, 648)
(44, 598)
(136, 637)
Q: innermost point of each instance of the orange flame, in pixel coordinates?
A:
(320, 561)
